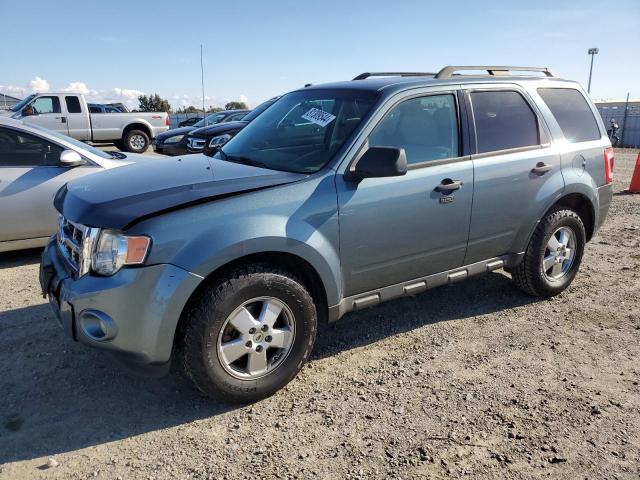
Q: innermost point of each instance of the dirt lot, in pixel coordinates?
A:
(477, 380)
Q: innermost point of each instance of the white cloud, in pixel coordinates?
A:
(39, 85)
(128, 96)
(79, 87)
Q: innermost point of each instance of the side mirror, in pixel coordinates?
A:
(380, 162)
(70, 159)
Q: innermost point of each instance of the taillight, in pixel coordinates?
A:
(608, 165)
(167, 122)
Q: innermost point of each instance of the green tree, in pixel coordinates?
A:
(235, 106)
(153, 103)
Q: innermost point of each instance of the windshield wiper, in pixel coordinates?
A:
(243, 160)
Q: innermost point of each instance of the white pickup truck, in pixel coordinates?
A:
(68, 114)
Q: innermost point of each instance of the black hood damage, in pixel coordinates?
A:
(120, 197)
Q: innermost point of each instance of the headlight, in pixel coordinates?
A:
(219, 140)
(114, 250)
(174, 139)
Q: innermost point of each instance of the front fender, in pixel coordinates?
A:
(299, 219)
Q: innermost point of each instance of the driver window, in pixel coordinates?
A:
(42, 105)
(18, 149)
(426, 127)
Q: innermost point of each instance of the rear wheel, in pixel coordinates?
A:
(553, 256)
(136, 141)
(249, 333)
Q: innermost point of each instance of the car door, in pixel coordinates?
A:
(517, 173)
(402, 228)
(30, 175)
(77, 120)
(46, 111)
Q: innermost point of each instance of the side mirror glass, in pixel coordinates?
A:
(380, 162)
(70, 159)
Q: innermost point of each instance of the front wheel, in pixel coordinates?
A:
(136, 141)
(249, 333)
(553, 256)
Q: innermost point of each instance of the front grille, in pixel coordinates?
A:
(196, 143)
(75, 242)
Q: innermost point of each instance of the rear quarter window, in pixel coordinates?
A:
(572, 112)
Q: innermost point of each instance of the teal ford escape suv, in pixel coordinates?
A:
(337, 198)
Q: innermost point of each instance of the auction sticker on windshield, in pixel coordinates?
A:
(319, 117)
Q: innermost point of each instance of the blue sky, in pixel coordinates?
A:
(254, 49)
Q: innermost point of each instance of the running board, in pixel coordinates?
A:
(419, 285)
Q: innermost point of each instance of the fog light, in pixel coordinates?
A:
(97, 325)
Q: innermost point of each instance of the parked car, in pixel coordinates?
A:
(69, 114)
(174, 142)
(337, 198)
(189, 122)
(34, 164)
(100, 108)
(207, 140)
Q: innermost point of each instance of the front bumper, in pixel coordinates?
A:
(139, 308)
(172, 149)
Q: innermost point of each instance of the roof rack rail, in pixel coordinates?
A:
(449, 71)
(364, 75)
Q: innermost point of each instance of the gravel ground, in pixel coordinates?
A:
(476, 381)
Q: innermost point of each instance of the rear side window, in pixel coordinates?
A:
(426, 127)
(503, 120)
(572, 112)
(73, 104)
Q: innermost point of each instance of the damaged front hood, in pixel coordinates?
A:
(118, 197)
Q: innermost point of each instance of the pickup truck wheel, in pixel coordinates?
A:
(553, 256)
(136, 141)
(248, 333)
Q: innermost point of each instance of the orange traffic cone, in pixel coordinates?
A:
(634, 186)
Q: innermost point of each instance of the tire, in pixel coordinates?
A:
(136, 141)
(210, 323)
(119, 145)
(531, 275)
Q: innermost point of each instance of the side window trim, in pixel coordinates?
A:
(462, 131)
(543, 130)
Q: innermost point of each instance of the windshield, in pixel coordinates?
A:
(301, 131)
(19, 105)
(210, 120)
(73, 141)
(258, 110)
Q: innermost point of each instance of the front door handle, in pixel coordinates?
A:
(541, 168)
(449, 185)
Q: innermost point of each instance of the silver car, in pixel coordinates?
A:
(34, 164)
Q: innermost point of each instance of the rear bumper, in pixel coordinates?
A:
(605, 196)
(136, 311)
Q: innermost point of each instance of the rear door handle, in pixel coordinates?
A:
(541, 168)
(449, 185)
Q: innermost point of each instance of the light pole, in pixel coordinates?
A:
(593, 52)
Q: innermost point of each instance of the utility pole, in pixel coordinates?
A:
(204, 112)
(593, 52)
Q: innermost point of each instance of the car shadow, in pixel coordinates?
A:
(58, 396)
(20, 258)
